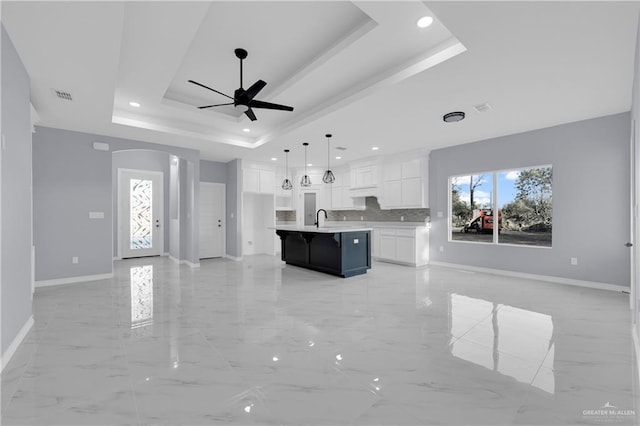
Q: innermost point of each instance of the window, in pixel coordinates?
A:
(522, 199)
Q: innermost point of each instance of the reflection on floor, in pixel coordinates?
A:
(258, 342)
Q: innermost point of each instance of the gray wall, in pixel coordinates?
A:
(156, 161)
(70, 179)
(590, 175)
(213, 171)
(234, 180)
(15, 198)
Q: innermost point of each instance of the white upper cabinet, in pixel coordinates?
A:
(403, 184)
(364, 175)
(340, 192)
(258, 178)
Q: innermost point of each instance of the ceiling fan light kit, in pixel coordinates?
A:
(286, 183)
(243, 99)
(328, 176)
(306, 180)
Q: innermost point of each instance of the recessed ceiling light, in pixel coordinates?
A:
(134, 104)
(338, 158)
(309, 164)
(425, 21)
(246, 130)
(273, 159)
(374, 148)
(453, 117)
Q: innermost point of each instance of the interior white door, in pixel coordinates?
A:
(212, 228)
(140, 213)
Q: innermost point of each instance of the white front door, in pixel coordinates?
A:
(140, 213)
(212, 227)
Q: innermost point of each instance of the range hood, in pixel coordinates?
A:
(364, 191)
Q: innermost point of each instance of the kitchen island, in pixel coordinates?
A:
(341, 251)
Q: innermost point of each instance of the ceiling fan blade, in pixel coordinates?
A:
(209, 106)
(213, 90)
(252, 91)
(268, 105)
(249, 113)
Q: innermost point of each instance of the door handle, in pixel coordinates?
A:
(628, 245)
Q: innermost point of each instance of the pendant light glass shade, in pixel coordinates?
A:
(306, 180)
(286, 183)
(328, 176)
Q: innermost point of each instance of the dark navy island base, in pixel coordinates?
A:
(342, 253)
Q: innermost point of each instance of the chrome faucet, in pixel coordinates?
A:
(318, 218)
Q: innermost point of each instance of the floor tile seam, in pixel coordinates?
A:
(217, 352)
(29, 363)
(123, 353)
(17, 387)
(130, 374)
(472, 328)
(541, 365)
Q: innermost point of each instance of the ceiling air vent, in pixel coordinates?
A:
(485, 107)
(341, 148)
(62, 94)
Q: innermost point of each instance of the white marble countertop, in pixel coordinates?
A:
(329, 229)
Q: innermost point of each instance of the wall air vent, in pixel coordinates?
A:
(485, 107)
(62, 94)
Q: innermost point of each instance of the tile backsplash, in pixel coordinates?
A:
(372, 213)
(285, 215)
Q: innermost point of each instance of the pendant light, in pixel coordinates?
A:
(306, 180)
(328, 176)
(286, 183)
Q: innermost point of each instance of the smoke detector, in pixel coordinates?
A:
(62, 94)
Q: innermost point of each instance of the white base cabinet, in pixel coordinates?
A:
(408, 246)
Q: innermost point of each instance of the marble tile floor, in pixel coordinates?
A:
(258, 342)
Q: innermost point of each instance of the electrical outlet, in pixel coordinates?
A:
(361, 217)
(574, 261)
(441, 249)
(344, 218)
(74, 259)
(401, 218)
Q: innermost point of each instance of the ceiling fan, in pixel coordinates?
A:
(245, 98)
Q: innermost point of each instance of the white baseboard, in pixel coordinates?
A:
(546, 278)
(71, 280)
(165, 254)
(228, 256)
(13, 347)
(184, 262)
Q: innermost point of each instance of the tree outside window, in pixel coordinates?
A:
(524, 202)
